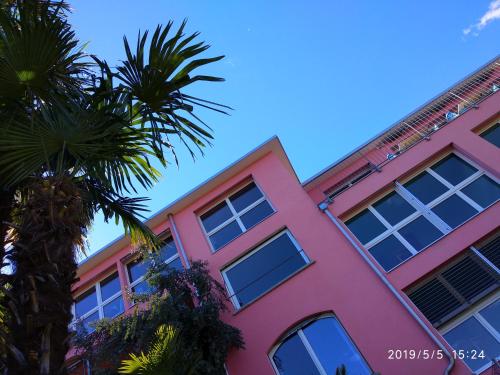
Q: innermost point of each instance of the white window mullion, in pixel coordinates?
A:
(230, 290)
(235, 215)
(468, 200)
(310, 350)
(487, 325)
(99, 300)
(485, 260)
(405, 243)
(425, 210)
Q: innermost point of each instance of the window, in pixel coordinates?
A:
(263, 268)
(318, 348)
(423, 209)
(137, 269)
(492, 134)
(103, 300)
(477, 331)
(235, 215)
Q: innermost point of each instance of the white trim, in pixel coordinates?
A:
(311, 352)
(236, 216)
(425, 210)
(474, 311)
(230, 290)
(484, 259)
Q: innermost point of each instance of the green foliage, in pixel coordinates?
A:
(192, 307)
(163, 357)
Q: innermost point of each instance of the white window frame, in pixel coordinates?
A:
(236, 216)
(100, 303)
(299, 331)
(425, 210)
(224, 271)
(143, 277)
(474, 312)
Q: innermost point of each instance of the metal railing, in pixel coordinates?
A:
(422, 123)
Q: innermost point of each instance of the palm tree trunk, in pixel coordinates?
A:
(51, 227)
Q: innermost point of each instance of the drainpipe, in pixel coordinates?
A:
(323, 206)
(178, 239)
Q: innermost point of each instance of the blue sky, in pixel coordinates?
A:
(324, 76)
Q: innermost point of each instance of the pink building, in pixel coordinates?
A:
(386, 261)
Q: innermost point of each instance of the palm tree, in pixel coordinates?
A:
(163, 357)
(76, 138)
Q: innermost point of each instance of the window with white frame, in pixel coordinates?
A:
(492, 134)
(263, 268)
(476, 334)
(137, 269)
(318, 347)
(234, 215)
(103, 300)
(420, 211)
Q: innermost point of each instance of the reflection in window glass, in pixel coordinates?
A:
(454, 211)
(471, 335)
(492, 315)
(484, 191)
(453, 169)
(113, 308)
(216, 216)
(110, 286)
(425, 187)
(394, 208)
(365, 226)
(390, 252)
(85, 302)
(88, 322)
(264, 268)
(226, 234)
(492, 135)
(245, 197)
(326, 340)
(420, 233)
(255, 215)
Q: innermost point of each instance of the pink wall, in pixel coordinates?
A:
(338, 281)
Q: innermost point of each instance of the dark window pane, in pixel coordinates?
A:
(264, 269)
(492, 315)
(176, 264)
(471, 335)
(113, 308)
(334, 348)
(225, 234)
(365, 226)
(137, 268)
(168, 249)
(85, 302)
(390, 252)
(425, 187)
(110, 286)
(142, 287)
(453, 169)
(493, 134)
(484, 191)
(245, 197)
(454, 210)
(292, 358)
(394, 208)
(216, 216)
(420, 233)
(87, 322)
(256, 214)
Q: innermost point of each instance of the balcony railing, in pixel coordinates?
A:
(418, 126)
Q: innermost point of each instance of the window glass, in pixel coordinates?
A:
(493, 135)
(87, 322)
(292, 358)
(425, 187)
(390, 252)
(325, 340)
(137, 269)
(394, 208)
(333, 347)
(113, 308)
(216, 216)
(420, 233)
(484, 191)
(110, 286)
(471, 335)
(365, 226)
(492, 315)
(142, 287)
(265, 268)
(245, 197)
(85, 302)
(453, 169)
(176, 264)
(256, 214)
(168, 250)
(454, 210)
(225, 234)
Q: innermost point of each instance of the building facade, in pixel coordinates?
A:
(387, 261)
